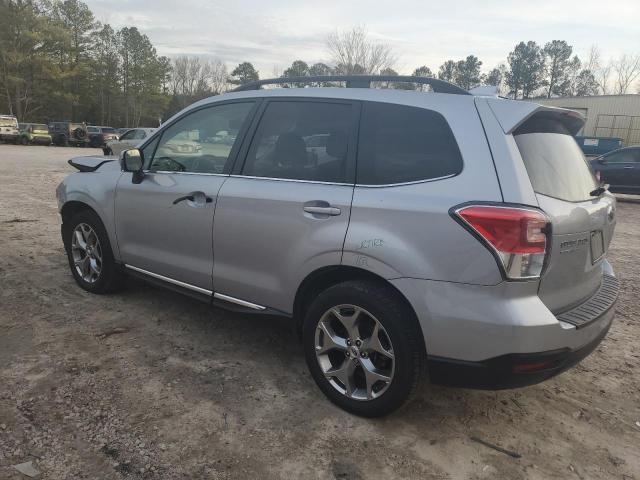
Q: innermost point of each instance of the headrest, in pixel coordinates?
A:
(337, 144)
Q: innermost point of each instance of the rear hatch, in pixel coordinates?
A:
(582, 218)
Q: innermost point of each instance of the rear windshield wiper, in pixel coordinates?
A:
(599, 191)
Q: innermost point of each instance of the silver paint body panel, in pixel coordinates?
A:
(254, 243)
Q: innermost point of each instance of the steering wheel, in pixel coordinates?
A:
(181, 166)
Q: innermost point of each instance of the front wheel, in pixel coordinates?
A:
(89, 253)
(363, 348)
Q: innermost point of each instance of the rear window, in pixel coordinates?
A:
(555, 164)
(399, 144)
(108, 130)
(8, 122)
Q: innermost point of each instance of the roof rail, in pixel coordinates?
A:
(358, 81)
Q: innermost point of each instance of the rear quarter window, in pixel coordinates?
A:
(400, 144)
(555, 164)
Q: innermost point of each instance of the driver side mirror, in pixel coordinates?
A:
(132, 161)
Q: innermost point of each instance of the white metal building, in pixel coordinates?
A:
(607, 115)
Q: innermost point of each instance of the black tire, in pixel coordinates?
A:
(107, 151)
(110, 278)
(401, 327)
(24, 141)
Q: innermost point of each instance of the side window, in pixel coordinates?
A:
(624, 156)
(302, 141)
(128, 135)
(202, 141)
(400, 144)
(149, 148)
(139, 134)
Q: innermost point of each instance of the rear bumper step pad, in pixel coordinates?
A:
(595, 306)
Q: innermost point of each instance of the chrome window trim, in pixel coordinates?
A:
(170, 280)
(413, 182)
(169, 172)
(253, 177)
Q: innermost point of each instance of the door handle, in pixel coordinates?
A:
(628, 167)
(333, 211)
(181, 199)
(196, 197)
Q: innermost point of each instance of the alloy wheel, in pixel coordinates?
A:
(354, 352)
(86, 252)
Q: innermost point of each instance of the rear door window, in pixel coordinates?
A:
(400, 144)
(302, 140)
(555, 164)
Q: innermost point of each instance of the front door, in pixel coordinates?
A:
(285, 212)
(164, 224)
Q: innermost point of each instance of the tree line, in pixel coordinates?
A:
(57, 62)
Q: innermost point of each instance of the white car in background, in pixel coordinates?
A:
(129, 139)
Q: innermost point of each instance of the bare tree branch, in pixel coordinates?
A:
(627, 69)
(353, 52)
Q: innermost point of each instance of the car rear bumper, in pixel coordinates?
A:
(8, 136)
(502, 336)
(511, 370)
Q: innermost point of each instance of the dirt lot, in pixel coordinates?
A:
(184, 391)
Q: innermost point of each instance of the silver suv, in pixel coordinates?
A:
(398, 229)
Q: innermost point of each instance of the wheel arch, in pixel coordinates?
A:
(73, 207)
(325, 277)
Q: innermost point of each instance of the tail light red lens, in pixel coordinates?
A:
(517, 235)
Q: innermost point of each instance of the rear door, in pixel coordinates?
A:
(285, 211)
(582, 221)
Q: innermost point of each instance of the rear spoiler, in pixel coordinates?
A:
(512, 114)
(89, 164)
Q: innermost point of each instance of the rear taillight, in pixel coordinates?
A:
(518, 236)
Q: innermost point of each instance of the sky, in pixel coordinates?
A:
(271, 34)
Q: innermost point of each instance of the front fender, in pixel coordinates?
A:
(97, 191)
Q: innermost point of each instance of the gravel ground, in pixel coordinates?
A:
(149, 384)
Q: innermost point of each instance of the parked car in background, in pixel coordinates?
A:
(619, 169)
(69, 133)
(129, 139)
(34, 133)
(99, 136)
(437, 228)
(8, 128)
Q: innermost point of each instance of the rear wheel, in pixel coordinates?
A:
(90, 255)
(362, 347)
